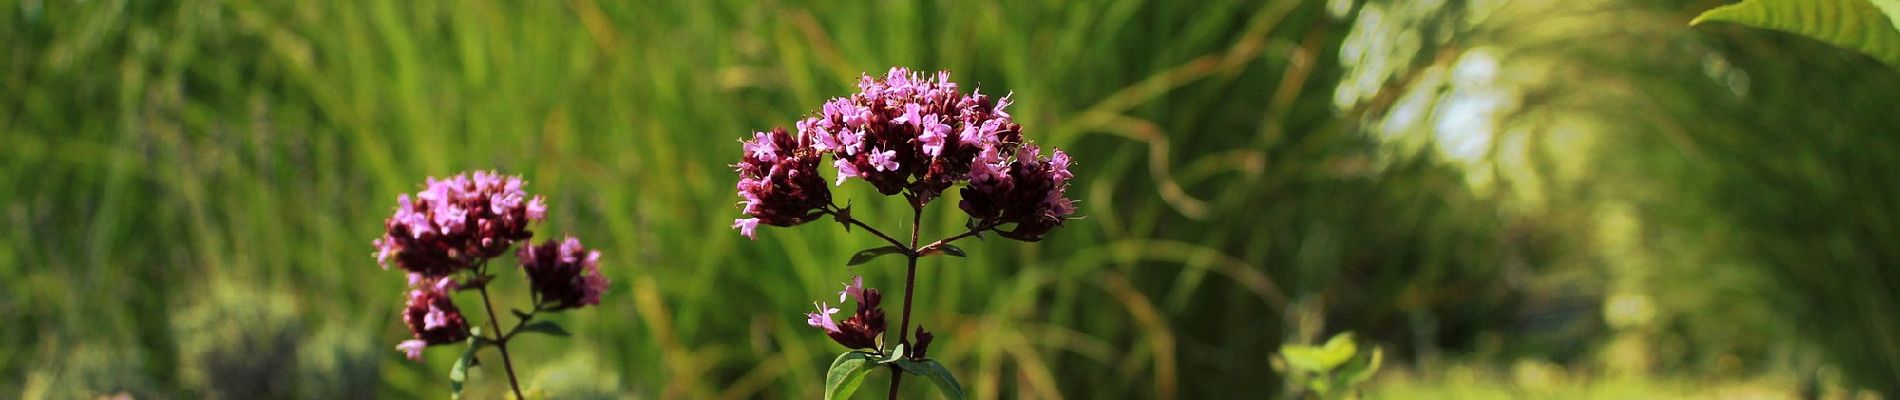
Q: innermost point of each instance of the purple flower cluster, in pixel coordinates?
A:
(455, 221)
(432, 318)
(455, 225)
(1029, 191)
(778, 178)
(864, 328)
(913, 134)
(564, 274)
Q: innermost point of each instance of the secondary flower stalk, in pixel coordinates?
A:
(916, 135)
(444, 237)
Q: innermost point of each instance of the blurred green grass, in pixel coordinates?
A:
(164, 151)
(176, 161)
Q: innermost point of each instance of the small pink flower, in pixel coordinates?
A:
(822, 318)
(853, 290)
(853, 141)
(412, 348)
(747, 226)
(884, 161)
(910, 115)
(935, 132)
(537, 209)
(761, 147)
(846, 169)
(1004, 103)
(1059, 166)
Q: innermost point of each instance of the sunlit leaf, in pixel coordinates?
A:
(944, 249)
(1361, 369)
(1336, 351)
(1891, 8)
(1860, 25)
(938, 375)
(846, 373)
(896, 353)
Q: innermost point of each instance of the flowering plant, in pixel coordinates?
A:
(916, 135)
(445, 236)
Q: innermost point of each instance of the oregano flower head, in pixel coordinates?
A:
(864, 328)
(910, 132)
(563, 274)
(432, 318)
(455, 220)
(913, 134)
(445, 238)
(1026, 190)
(779, 181)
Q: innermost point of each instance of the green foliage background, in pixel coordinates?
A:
(192, 186)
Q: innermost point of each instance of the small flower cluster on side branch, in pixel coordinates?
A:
(443, 238)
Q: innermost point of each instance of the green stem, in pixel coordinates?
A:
(880, 234)
(910, 283)
(501, 341)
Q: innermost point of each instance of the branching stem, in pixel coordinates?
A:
(501, 340)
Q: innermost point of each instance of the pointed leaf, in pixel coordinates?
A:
(895, 354)
(869, 254)
(545, 326)
(1859, 25)
(458, 374)
(1338, 350)
(1361, 369)
(846, 373)
(1302, 358)
(944, 249)
(938, 375)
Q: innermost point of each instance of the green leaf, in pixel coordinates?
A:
(1860, 25)
(846, 373)
(896, 353)
(1337, 351)
(939, 375)
(1301, 358)
(545, 326)
(868, 254)
(1892, 9)
(953, 251)
(459, 373)
(1361, 369)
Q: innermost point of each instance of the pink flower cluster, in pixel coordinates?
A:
(1028, 190)
(864, 328)
(779, 181)
(432, 318)
(457, 223)
(564, 274)
(907, 133)
(454, 221)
